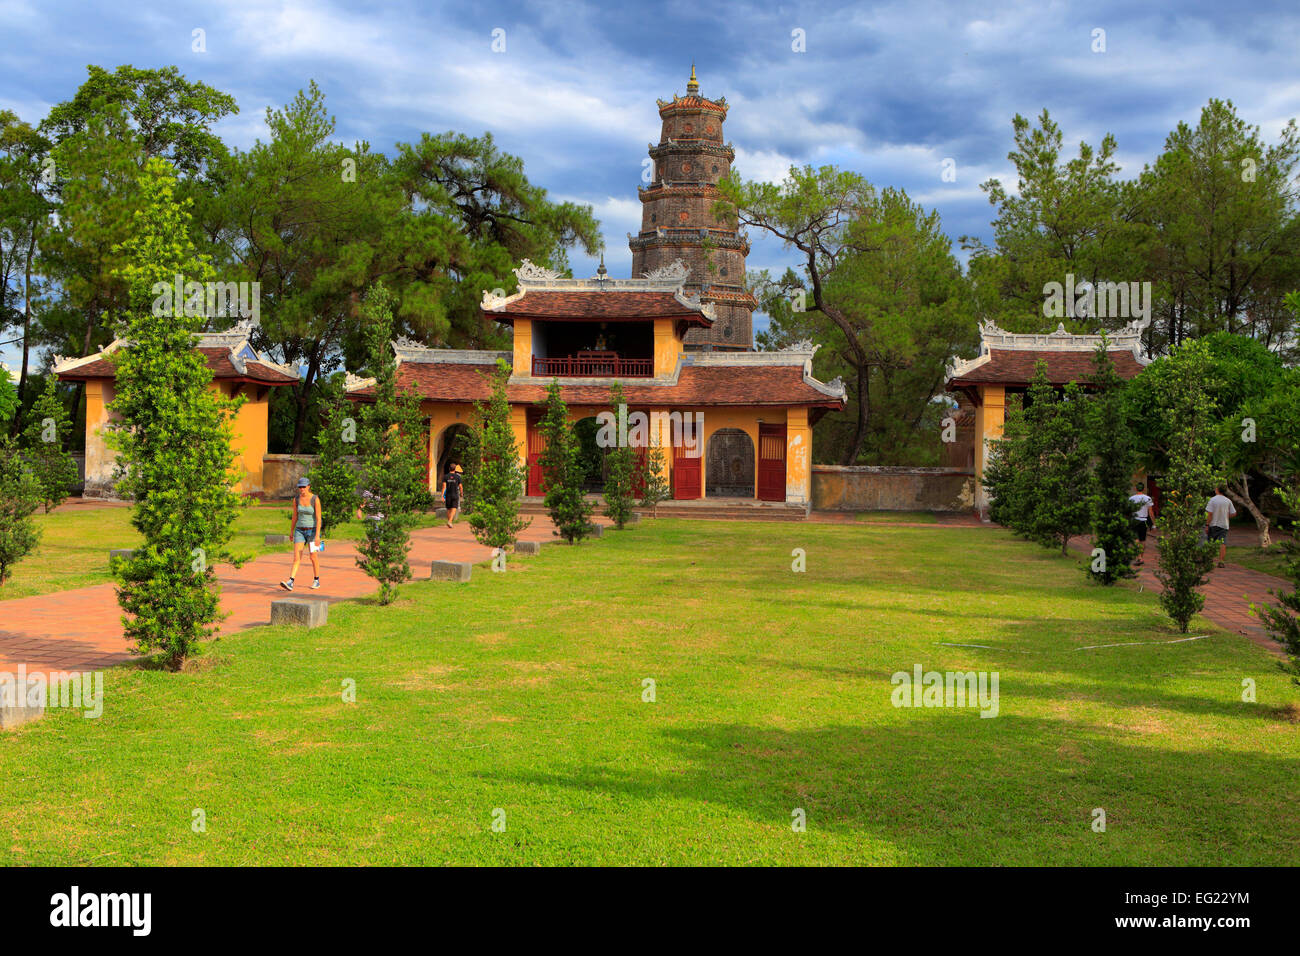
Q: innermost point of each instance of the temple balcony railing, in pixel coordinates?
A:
(592, 365)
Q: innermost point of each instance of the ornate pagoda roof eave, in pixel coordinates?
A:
(1129, 338)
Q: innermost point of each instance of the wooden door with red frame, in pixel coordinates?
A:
(771, 462)
(536, 445)
(640, 464)
(688, 470)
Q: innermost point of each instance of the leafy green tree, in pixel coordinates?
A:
(878, 287)
(1061, 479)
(102, 139)
(652, 475)
(47, 430)
(562, 470)
(620, 470)
(334, 478)
(19, 497)
(470, 216)
(1065, 217)
(1255, 415)
(1114, 457)
(1283, 618)
(1223, 209)
(24, 219)
(392, 457)
(309, 219)
(173, 437)
(1008, 475)
(495, 481)
(8, 396)
(1185, 561)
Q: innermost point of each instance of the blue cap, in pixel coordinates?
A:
(303, 482)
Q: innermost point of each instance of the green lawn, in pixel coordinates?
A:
(897, 517)
(1268, 560)
(73, 551)
(523, 692)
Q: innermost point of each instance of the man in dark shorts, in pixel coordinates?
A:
(1143, 508)
(1217, 514)
(451, 485)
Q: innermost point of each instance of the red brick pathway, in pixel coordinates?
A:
(81, 629)
(1228, 595)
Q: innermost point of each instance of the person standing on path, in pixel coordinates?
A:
(1218, 513)
(1144, 507)
(451, 491)
(305, 530)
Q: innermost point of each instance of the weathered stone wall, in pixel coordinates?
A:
(881, 488)
(280, 473)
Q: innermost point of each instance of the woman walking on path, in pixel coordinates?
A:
(451, 492)
(306, 533)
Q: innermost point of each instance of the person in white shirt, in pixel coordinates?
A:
(1217, 514)
(1144, 508)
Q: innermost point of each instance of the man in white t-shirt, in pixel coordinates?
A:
(1217, 514)
(1143, 509)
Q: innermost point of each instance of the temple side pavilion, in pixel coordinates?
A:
(237, 369)
(748, 415)
(1005, 365)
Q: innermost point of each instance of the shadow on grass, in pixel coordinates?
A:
(951, 788)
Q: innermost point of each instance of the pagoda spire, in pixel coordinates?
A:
(692, 85)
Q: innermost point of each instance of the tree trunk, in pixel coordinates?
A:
(864, 412)
(27, 337)
(1239, 491)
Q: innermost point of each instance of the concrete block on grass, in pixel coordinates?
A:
(451, 571)
(277, 539)
(528, 547)
(17, 707)
(302, 612)
(595, 531)
(126, 554)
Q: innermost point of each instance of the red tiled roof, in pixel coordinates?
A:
(218, 360)
(697, 385)
(597, 305)
(1016, 367)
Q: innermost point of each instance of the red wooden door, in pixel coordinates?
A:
(639, 474)
(771, 463)
(536, 445)
(687, 463)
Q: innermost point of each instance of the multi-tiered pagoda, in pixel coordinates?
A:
(677, 219)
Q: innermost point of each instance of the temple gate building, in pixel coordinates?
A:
(237, 369)
(677, 337)
(1005, 365)
(747, 416)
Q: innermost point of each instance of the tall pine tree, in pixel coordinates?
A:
(392, 457)
(563, 471)
(1114, 462)
(1185, 561)
(172, 436)
(495, 480)
(44, 439)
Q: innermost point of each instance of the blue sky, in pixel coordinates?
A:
(888, 89)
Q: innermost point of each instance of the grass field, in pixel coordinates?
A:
(519, 697)
(1267, 560)
(74, 546)
(897, 517)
